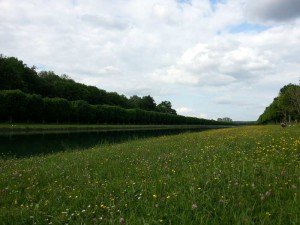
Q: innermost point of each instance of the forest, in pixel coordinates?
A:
(284, 108)
(44, 97)
(14, 74)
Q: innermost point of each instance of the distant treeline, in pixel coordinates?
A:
(244, 122)
(14, 74)
(285, 107)
(17, 106)
(29, 96)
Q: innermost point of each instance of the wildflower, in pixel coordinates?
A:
(262, 197)
(194, 206)
(268, 193)
(154, 196)
(122, 220)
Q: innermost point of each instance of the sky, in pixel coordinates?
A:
(210, 58)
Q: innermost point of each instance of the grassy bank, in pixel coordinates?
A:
(19, 127)
(245, 175)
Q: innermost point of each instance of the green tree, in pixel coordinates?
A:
(166, 107)
(56, 110)
(35, 106)
(285, 107)
(148, 103)
(15, 103)
(135, 101)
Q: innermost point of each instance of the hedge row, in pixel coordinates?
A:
(17, 106)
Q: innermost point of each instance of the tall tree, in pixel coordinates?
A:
(166, 107)
(285, 107)
(148, 103)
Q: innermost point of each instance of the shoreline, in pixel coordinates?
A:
(62, 128)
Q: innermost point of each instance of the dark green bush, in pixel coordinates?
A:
(16, 106)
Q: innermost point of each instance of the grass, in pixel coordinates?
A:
(24, 127)
(245, 175)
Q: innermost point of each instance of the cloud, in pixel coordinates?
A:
(224, 100)
(184, 110)
(274, 10)
(191, 112)
(183, 51)
(106, 22)
(236, 58)
(203, 115)
(109, 70)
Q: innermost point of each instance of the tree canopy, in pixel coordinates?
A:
(17, 106)
(30, 96)
(285, 107)
(14, 74)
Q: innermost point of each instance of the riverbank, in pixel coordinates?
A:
(245, 175)
(6, 127)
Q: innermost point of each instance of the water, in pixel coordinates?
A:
(25, 145)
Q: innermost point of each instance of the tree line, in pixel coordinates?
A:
(285, 107)
(14, 74)
(17, 106)
(44, 97)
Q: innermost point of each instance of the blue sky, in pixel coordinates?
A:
(247, 27)
(217, 1)
(209, 58)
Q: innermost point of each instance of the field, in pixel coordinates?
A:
(244, 175)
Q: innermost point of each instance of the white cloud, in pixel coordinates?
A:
(184, 110)
(241, 58)
(204, 116)
(191, 112)
(106, 21)
(225, 100)
(182, 52)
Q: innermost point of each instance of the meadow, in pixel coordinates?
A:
(242, 175)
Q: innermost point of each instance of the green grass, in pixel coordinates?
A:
(245, 175)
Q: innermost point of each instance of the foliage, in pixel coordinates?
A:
(14, 74)
(166, 107)
(246, 175)
(17, 106)
(55, 110)
(14, 105)
(148, 103)
(285, 107)
(225, 119)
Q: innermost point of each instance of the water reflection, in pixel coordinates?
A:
(24, 145)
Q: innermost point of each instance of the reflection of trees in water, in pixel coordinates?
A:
(35, 144)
